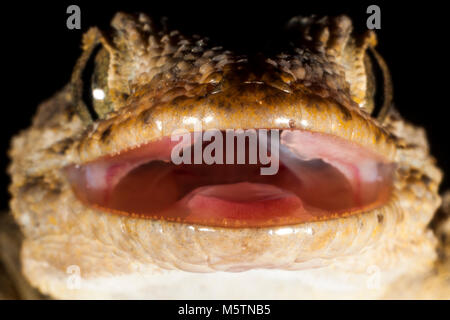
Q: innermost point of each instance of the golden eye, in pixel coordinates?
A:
(98, 89)
(379, 85)
(90, 84)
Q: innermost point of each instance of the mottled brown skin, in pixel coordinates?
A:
(154, 82)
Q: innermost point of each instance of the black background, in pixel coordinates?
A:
(39, 52)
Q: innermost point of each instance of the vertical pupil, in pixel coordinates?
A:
(379, 85)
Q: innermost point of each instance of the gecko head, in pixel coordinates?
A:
(227, 106)
(189, 157)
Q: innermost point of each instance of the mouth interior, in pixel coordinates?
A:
(313, 177)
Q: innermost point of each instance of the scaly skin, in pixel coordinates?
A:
(154, 81)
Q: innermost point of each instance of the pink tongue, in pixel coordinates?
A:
(246, 201)
(242, 192)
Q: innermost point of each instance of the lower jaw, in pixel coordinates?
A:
(257, 205)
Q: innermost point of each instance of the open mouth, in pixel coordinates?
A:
(317, 177)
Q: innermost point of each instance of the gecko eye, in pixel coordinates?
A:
(99, 84)
(379, 85)
(95, 84)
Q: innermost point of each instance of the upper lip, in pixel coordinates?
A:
(259, 106)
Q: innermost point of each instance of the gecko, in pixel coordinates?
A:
(98, 210)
